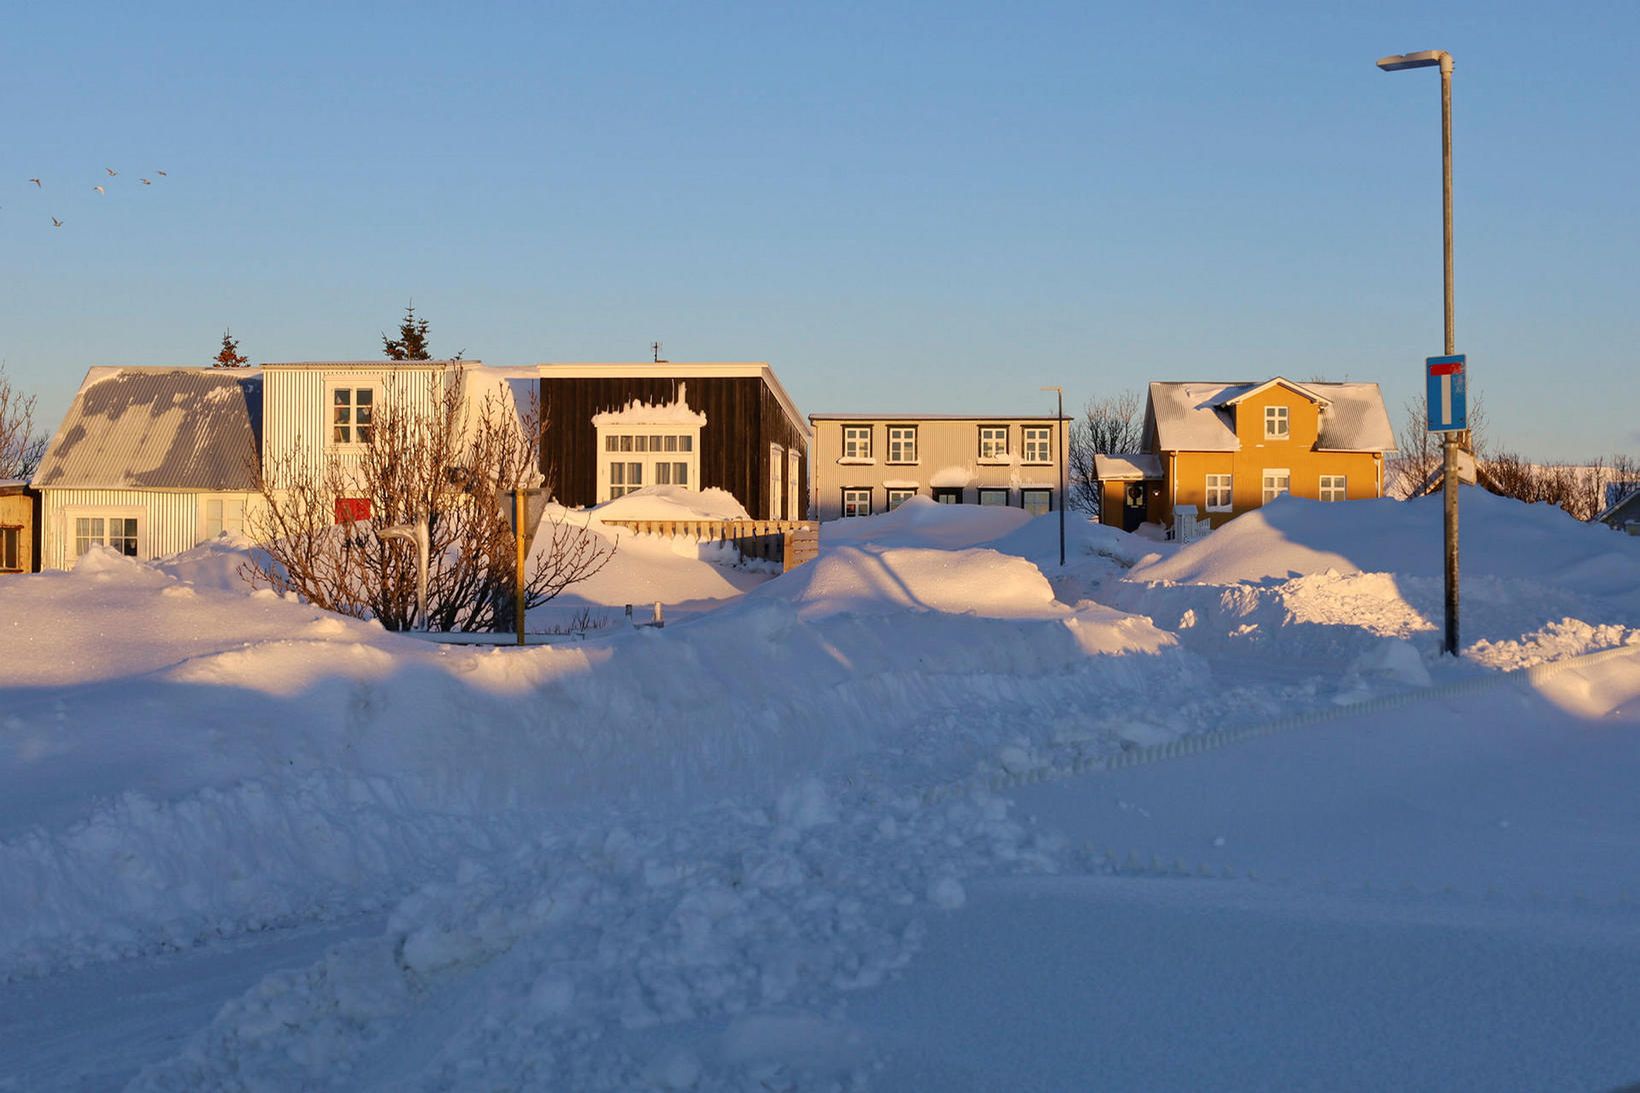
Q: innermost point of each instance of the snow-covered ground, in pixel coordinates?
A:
(871, 824)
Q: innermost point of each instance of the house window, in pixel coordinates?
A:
(794, 471)
(223, 514)
(902, 443)
(352, 414)
(777, 481)
(632, 457)
(1218, 493)
(1276, 483)
(898, 497)
(993, 497)
(1038, 444)
(1276, 425)
(1332, 487)
(857, 502)
(10, 560)
(856, 442)
(948, 495)
(352, 510)
(118, 532)
(1036, 502)
(993, 442)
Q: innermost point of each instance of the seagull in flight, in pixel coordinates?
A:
(56, 223)
(111, 171)
(99, 189)
(145, 182)
(161, 174)
(37, 182)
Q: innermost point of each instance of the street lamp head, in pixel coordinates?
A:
(1427, 58)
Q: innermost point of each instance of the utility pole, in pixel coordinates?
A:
(1431, 58)
(1061, 441)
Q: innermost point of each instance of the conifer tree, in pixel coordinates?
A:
(229, 356)
(411, 344)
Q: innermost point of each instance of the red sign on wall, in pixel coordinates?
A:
(352, 510)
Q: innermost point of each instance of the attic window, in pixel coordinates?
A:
(352, 411)
(1276, 425)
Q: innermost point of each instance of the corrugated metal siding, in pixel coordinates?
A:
(296, 415)
(168, 522)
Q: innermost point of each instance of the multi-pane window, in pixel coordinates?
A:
(118, 532)
(1038, 444)
(352, 412)
(1276, 424)
(898, 497)
(948, 495)
(10, 554)
(902, 443)
(1218, 493)
(634, 457)
(1276, 483)
(857, 502)
(856, 442)
(993, 497)
(224, 514)
(1036, 502)
(1332, 487)
(993, 442)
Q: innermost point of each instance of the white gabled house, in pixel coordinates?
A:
(150, 461)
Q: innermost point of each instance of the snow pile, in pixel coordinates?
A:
(922, 521)
(889, 580)
(673, 503)
(711, 953)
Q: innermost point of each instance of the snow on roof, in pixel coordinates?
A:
(1196, 416)
(673, 503)
(1127, 466)
(158, 428)
(378, 363)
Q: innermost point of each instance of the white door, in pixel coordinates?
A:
(794, 464)
(777, 477)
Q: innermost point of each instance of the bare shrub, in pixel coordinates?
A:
(20, 447)
(1108, 426)
(443, 457)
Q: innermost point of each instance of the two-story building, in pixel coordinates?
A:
(867, 463)
(1227, 448)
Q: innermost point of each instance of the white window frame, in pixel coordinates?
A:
(857, 444)
(353, 386)
(1269, 492)
(1278, 423)
(15, 531)
(897, 496)
(235, 512)
(983, 490)
(902, 445)
(1038, 437)
(777, 481)
(646, 446)
(1226, 483)
(987, 452)
(1025, 504)
(794, 474)
(72, 517)
(1331, 482)
(856, 503)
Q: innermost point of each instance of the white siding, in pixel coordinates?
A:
(167, 522)
(296, 410)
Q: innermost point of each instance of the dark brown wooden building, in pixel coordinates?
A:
(615, 428)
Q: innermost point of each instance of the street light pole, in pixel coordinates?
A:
(1430, 58)
(1060, 443)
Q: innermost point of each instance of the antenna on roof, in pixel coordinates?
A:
(655, 347)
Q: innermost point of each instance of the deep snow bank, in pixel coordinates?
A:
(921, 521)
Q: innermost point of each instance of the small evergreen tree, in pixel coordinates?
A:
(411, 344)
(229, 356)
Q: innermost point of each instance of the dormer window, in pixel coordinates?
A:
(1276, 424)
(352, 414)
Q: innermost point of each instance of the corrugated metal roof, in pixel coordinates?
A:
(1191, 417)
(158, 428)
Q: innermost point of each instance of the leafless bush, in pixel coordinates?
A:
(1418, 451)
(20, 447)
(1108, 426)
(1583, 490)
(442, 457)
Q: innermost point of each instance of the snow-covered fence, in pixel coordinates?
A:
(790, 542)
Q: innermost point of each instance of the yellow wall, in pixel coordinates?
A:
(1187, 472)
(17, 510)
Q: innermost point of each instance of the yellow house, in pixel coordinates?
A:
(1226, 448)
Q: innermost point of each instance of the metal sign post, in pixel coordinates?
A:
(1446, 406)
(522, 512)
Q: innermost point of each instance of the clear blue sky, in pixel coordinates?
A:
(933, 207)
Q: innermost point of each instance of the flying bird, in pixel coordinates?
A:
(56, 223)
(37, 182)
(111, 171)
(99, 189)
(145, 182)
(160, 173)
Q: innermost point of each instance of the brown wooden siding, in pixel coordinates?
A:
(742, 419)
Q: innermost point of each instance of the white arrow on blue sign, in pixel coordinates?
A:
(1447, 402)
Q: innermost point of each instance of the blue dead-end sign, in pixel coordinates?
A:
(1446, 400)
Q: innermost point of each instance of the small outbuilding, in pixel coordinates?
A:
(19, 527)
